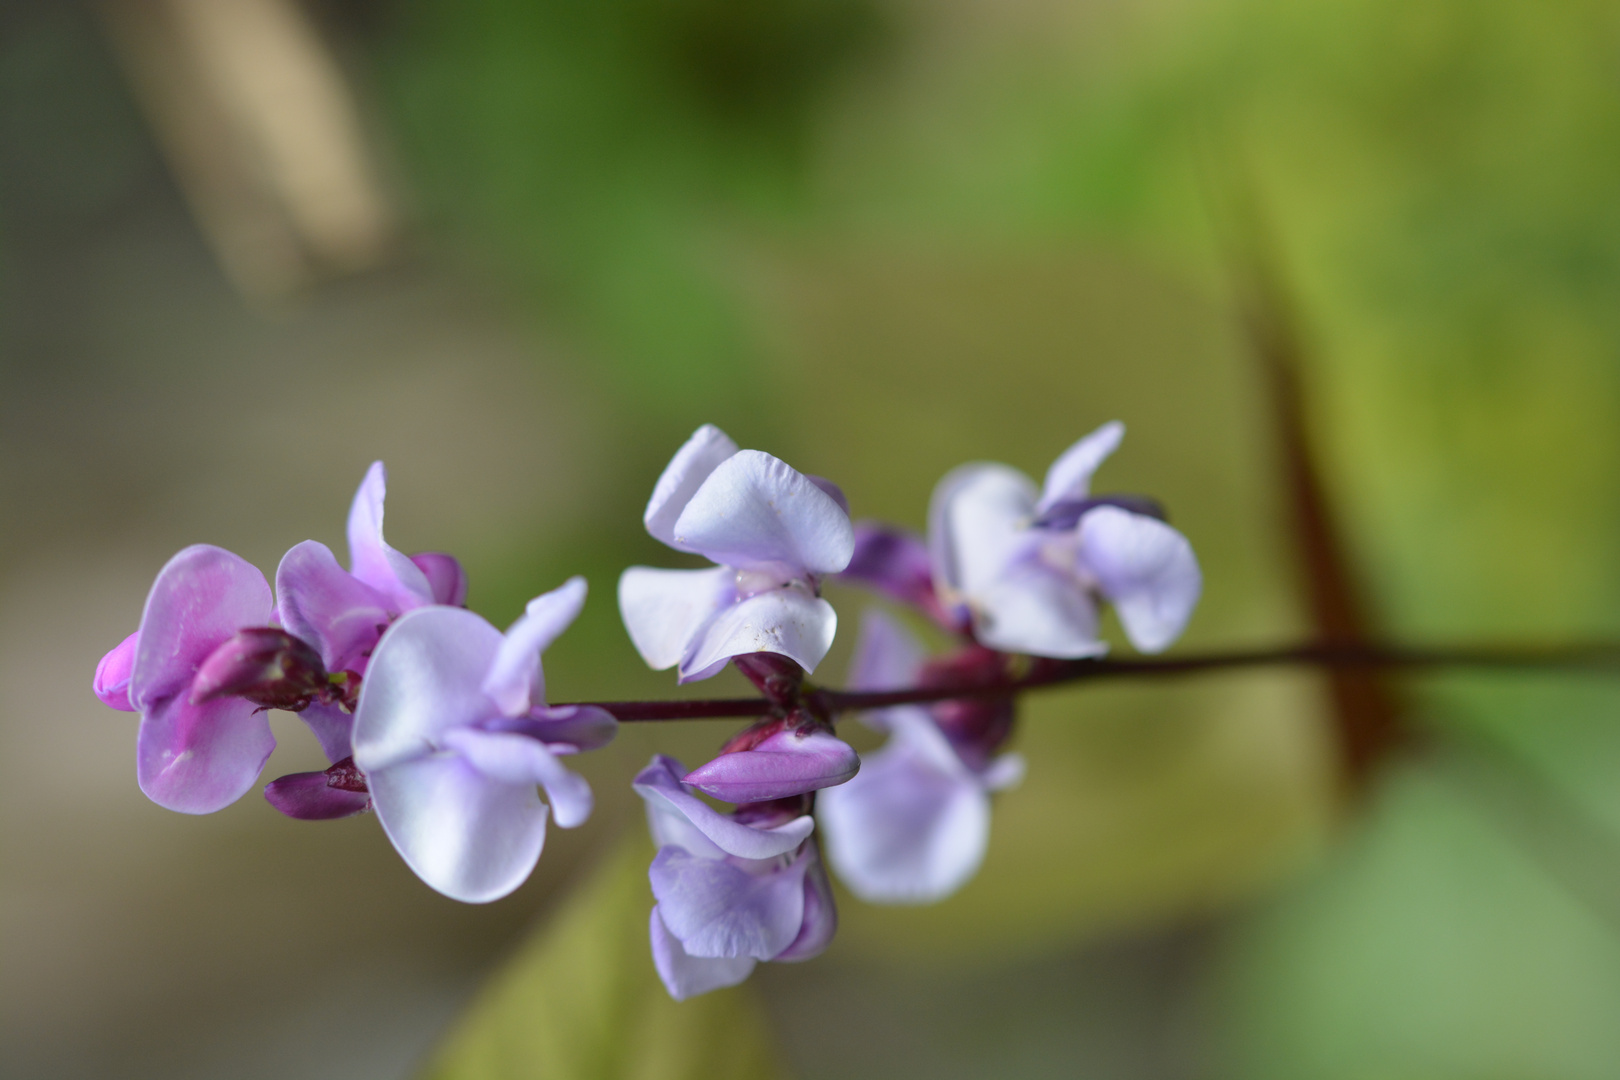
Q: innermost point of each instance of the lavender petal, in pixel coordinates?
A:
(718, 909)
(201, 597)
(677, 817)
(447, 581)
(755, 510)
(789, 622)
(664, 610)
(371, 559)
(685, 975)
(197, 759)
(1146, 569)
(469, 837)
(1070, 475)
(425, 678)
(325, 605)
(787, 763)
(913, 826)
(685, 473)
(516, 681)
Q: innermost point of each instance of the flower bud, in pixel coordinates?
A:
(976, 727)
(338, 792)
(777, 677)
(896, 563)
(112, 674)
(787, 760)
(446, 578)
(265, 665)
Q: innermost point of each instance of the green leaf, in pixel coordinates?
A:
(581, 1000)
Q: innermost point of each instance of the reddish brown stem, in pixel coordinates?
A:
(1600, 657)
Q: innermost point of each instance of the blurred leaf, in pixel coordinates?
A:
(581, 1001)
(1433, 947)
(608, 154)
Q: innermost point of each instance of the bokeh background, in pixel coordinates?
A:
(519, 249)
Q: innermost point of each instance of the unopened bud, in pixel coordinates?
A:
(112, 674)
(446, 578)
(776, 760)
(777, 677)
(321, 796)
(976, 727)
(265, 665)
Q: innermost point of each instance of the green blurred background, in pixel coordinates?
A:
(519, 249)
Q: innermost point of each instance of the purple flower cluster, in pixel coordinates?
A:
(1006, 570)
(439, 722)
(426, 712)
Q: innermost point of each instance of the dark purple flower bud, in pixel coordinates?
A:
(338, 792)
(112, 674)
(895, 562)
(777, 677)
(267, 666)
(445, 577)
(976, 727)
(1066, 513)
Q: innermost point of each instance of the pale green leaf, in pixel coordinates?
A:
(580, 1001)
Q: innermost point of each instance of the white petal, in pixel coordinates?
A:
(677, 817)
(912, 826)
(978, 524)
(518, 759)
(756, 510)
(721, 907)
(1146, 569)
(664, 609)
(516, 682)
(472, 838)
(684, 474)
(1037, 610)
(786, 621)
(1070, 475)
(425, 678)
(371, 559)
(687, 976)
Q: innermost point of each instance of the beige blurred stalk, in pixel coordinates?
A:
(262, 132)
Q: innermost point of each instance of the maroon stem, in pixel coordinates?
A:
(1597, 657)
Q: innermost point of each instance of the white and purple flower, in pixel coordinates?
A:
(454, 736)
(913, 825)
(732, 889)
(197, 751)
(772, 532)
(1027, 566)
(343, 613)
